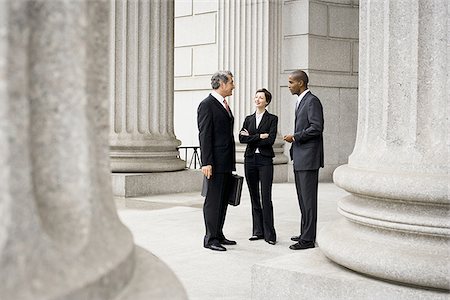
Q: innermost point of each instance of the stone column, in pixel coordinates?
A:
(249, 39)
(397, 218)
(142, 135)
(60, 237)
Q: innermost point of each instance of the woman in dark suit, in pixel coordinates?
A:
(259, 132)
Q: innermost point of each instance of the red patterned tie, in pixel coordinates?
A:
(226, 105)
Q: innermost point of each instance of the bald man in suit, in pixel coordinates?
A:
(307, 154)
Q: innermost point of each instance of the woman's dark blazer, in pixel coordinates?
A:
(268, 124)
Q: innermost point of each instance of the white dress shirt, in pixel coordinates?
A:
(258, 120)
(219, 98)
(300, 97)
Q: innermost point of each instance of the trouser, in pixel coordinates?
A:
(259, 172)
(306, 183)
(215, 207)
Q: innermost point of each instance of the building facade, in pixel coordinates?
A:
(261, 42)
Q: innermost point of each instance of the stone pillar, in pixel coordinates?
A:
(249, 39)
(397, 218)
(142, 135)
(142, 140)
(60, 237)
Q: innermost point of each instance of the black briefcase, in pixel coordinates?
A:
(235, 190)
(234, 197)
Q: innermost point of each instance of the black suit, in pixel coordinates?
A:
(217, 149)
(307, 154)
(259, 169)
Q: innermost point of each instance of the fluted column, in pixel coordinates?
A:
(142, 135)
(249, 39)
(60, 237)
(397, 218)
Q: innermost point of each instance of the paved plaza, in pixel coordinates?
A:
(171, 227)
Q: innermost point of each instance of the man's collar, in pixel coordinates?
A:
(217, 96)
(300, 97)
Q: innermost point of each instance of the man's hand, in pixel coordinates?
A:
(288, 138)
(207, 171)
(263, 136)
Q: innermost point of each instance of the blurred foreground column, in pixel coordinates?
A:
(60, 237)
(397, 218)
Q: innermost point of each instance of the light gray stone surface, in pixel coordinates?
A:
(253, 268)
(310, 275)
(325, 49)
(141, 184)
(164, 223)
(342, 20)
(261, 42)
(251, 54)
(398, 171)
(142, 135)
(60, 236)
(152, 280)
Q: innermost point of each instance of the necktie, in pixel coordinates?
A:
(226, 105)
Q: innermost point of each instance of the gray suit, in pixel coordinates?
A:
(307, 150)
(307, 154)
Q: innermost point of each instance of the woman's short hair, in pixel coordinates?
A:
(267, 94)
(218, 77)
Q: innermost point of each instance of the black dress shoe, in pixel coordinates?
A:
(295, 238)
(302, 246)
(226, 241)
(255, 238)
(271, 242)
(216, 247)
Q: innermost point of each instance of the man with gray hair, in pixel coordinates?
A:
(215, 125)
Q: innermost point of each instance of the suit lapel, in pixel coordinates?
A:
(302, 104)
(252, 125)
(299, 108)
(221, 107)
(264, 119)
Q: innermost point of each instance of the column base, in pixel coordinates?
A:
(146, 164)
(152, 279)
(414, 259)
(144, 184)
(308, 274)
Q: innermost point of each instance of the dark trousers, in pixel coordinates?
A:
(259, 170)
(215, 207)
(306, 183)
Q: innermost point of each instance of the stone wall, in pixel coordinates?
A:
(320, 37)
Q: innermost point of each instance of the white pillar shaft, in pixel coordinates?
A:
(403, 100)
(142, 132)
(56, 205)
(249, 35)
(398, 224)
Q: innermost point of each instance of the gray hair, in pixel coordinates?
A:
(218, 77)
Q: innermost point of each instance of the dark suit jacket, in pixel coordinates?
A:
(216, 138)
(307, 150)
(268, 125)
